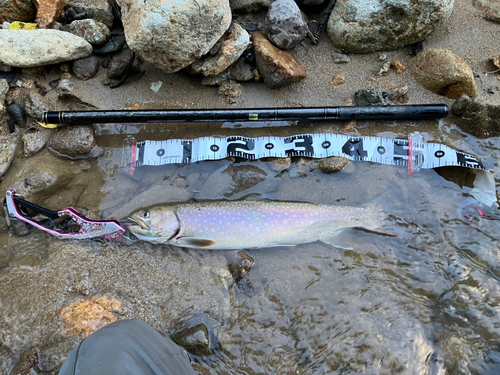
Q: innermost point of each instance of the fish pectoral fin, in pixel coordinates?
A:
(338, 240)
(194, 242)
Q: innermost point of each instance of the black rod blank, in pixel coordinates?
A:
(393, 112)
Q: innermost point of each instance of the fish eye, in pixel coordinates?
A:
(145, 214)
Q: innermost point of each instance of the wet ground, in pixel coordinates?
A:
(425, 302)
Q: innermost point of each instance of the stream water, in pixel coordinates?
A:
(425, 302)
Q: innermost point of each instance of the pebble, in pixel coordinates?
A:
(28, 362)
(285, 26)
(278, 68)
(4, 89)
(99, 10)
(230, 91)
(332, 164)
(36, 105)
(35, 141)
(65, 85)
(117, 68)
(92, 31)
(87, 67)
(370, 97)
(8, 146)
(195, 334)
(398, 67)
(19, 10)
(489, 9)
(25, 49)
(478, 117)
(443, 73)
(48, 12)
(111, 46)
(240, 71)
(340, 58)
(280, 164)
(73, 142)
(399, 94)
(4, 68)
(17, 114)
(337, 80)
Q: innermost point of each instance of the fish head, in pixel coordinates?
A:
(154, 224)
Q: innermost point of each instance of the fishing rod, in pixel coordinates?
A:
(393, 112)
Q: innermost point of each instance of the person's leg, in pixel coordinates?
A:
(127, 347)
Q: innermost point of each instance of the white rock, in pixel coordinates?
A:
(171, 34)
(27, 49)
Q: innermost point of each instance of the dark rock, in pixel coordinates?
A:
(241, 71)
(73, 142)
(4, 68)
(94, 32)
(20, 10)
(399, 94)
(443, 73)
(117, 68)
(87, 67)
(195, 334)
(480, 117)
(285, 25)
(239, 263)
(370, 97)
(278, 68)
(111, 46)
(16, 113)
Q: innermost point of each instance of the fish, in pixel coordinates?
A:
(249, 224)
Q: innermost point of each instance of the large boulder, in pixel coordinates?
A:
(173, 34)
(360, 26)
(28, 49)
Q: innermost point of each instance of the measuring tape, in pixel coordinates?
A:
(412, 153)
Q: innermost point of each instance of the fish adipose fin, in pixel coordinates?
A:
(194, 242)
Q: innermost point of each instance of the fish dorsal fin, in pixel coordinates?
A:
(194, 242)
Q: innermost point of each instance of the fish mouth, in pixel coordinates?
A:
(131, 222)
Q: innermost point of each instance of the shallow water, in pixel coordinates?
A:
(426, 302)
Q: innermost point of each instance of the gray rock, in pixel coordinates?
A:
(340, 58)
(172, 35)
(285, 25)
(92, 31)
(234, 42)
(370, 97)
(111, 46)
(24, 49)
(195, 334)
(19, 10)
(360, 26)
(4, 89)
(480, 117)
(490, 9)
(4, 68)
(98, 10)
(65, 85)
(8, 146)
(35, 141)
(73, 142)
(87, 67)
(36, 105)
(240, 71)
(278, 68)
(17, 113)
(249, 6)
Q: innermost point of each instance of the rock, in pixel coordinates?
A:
(8, 146)
(278, 68)
(36, 105)
(98, 10)
(35, 141)
(48, 12)
(17, 113)
(444, 73)
(338, 79)
(172, 35)
(249, 6)
(490, 9)
(241, 71)
(332, 164)
(84, 317)
(285, 26)
(111, 46)
(25, 49)
(19, 10)
(239, 263)
(340, 58)
(92, 31)
(360, 26)
(195, 334)
(480, 117)
(73, 142)
(117, 68)
(230, 91)
(370, 97)
(4, 68)
(65, 86)
(27, 363)
(280, 164)
(87, 67)
(234, 42)
(398, 67)
(4, 89)
(399, 94)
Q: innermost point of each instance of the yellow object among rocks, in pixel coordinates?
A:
(17, 25)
